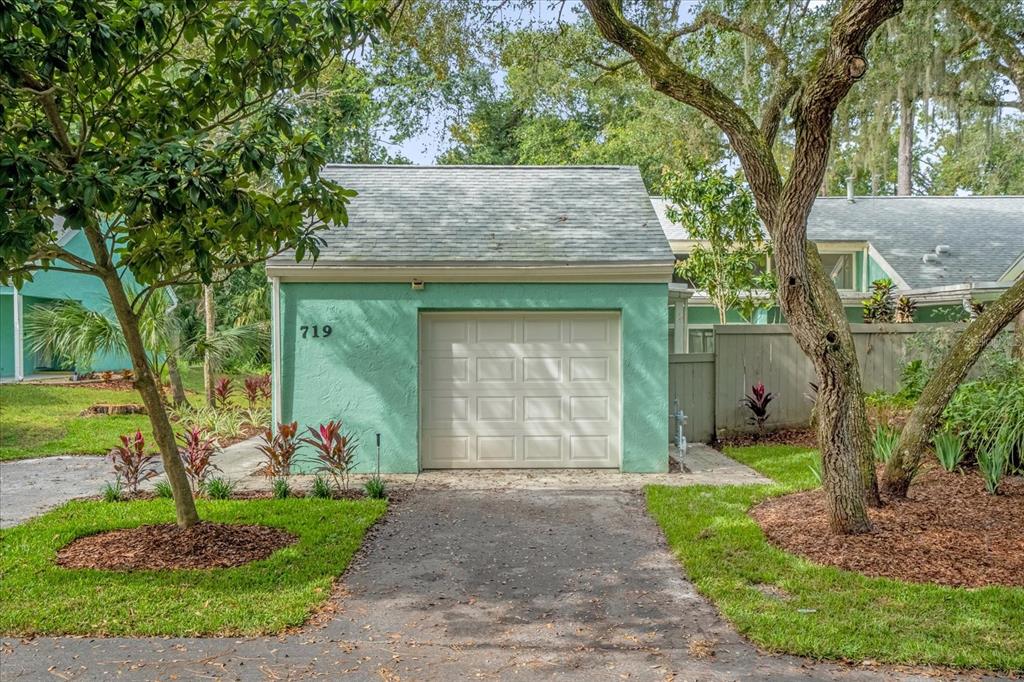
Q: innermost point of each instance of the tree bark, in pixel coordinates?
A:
(953, 369)
(210, 314)
(152, 398)
(905, 155)
(178, 395)
(1018, 337)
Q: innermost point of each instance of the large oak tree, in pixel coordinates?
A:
(165, 132)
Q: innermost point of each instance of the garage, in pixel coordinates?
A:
(520, 390)
(481, 317)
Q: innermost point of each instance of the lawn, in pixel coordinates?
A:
(38, 597)
(824, 612)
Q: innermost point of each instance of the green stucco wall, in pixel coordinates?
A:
(52, 285)
(366, 372)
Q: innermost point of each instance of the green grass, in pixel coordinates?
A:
(829, 613)
(38, 597)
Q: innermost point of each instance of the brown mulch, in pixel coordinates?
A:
(112, 385)
(804, 436)
(948, 531)
(112, 409)
(165, 546)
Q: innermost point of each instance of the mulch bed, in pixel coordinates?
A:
(103, 409)
(805, 437)
(112, 385)
(948, 531)
(165, 546)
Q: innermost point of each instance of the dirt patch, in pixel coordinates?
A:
(165, 546)
(948, 531)
(805, 437)
(112, 409)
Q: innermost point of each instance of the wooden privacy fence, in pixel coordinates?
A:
(709, 386)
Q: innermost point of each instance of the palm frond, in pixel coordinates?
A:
(68, 329)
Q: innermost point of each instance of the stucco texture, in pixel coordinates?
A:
(366, 372)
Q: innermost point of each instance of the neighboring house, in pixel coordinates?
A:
(17, 360)
(939, 251)
(495, 317)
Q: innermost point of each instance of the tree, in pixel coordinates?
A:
(948, 375)
(807, 75)
(165, 133)
(730, 261)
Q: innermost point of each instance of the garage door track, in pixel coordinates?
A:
(475, 584)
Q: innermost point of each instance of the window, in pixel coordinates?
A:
(702, 340)
(839, 266)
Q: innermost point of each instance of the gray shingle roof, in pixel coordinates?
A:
(492, 215)
(985, 235)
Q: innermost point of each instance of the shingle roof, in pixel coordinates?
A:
(493, 215)
(985, 235)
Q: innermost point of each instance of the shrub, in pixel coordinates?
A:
(131, 463)
(281, 489)
(223, 389)
(256, 416)
(883, 442)
(904, 311)
(321, 488)
(219, 488)
(879, 307)
(253, 391)
(163, 489)
(279, 449)
(376, 488)
(757, 402)
(196, 451)
(112, 492)
(949, 448)
(335, 451)
(992, 465)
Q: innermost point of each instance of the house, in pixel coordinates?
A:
(17, 360)
(496, 317)
(939, 251)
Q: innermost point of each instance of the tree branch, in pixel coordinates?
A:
(997, 39)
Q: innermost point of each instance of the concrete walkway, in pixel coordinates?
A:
(459, 584)
(30, 487)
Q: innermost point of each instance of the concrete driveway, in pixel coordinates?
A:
(493, 584)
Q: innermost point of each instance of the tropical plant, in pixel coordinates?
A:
(219, 488)
(949, 448)
(815, 468)
(163, 489)
(196, 451)
(992, 463)
(375, 488)
(279, 448)
(879, 307)
(757, 402)
(253, 391)
(112, 492)
(334, 449)
(256, 416)
(321, 488)
(883, 442)
(131, 463)
(223, 389)
(281, 489)
(904, 311)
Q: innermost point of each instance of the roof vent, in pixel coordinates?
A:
(849, 189)
(930, 258)
(942, 250)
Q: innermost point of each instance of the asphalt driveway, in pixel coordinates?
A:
(463, 584)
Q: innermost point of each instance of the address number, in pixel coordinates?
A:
(316, 331)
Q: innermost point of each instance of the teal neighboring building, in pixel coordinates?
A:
(48, 287)
(943, 253)
(482, 317)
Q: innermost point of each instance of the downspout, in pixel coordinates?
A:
(19, 342)
(275, 352)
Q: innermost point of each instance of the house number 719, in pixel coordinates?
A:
(319, 331)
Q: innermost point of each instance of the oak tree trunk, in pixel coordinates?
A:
(905, 155)
(1018, 337)
(152, 398)
(210, 314)
(924, 418)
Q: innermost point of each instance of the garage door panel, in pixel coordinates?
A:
(520, 390)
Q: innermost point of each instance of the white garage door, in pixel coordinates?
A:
(519, 390)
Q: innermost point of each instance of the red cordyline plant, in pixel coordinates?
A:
(757, 402)
(264, 380)
(334, 449)
(280, 449)
(131, 463)
(196, 451)
(253, 390)
(222, 390)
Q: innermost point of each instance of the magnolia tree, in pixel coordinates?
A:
(165, 132)
(730, 261)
